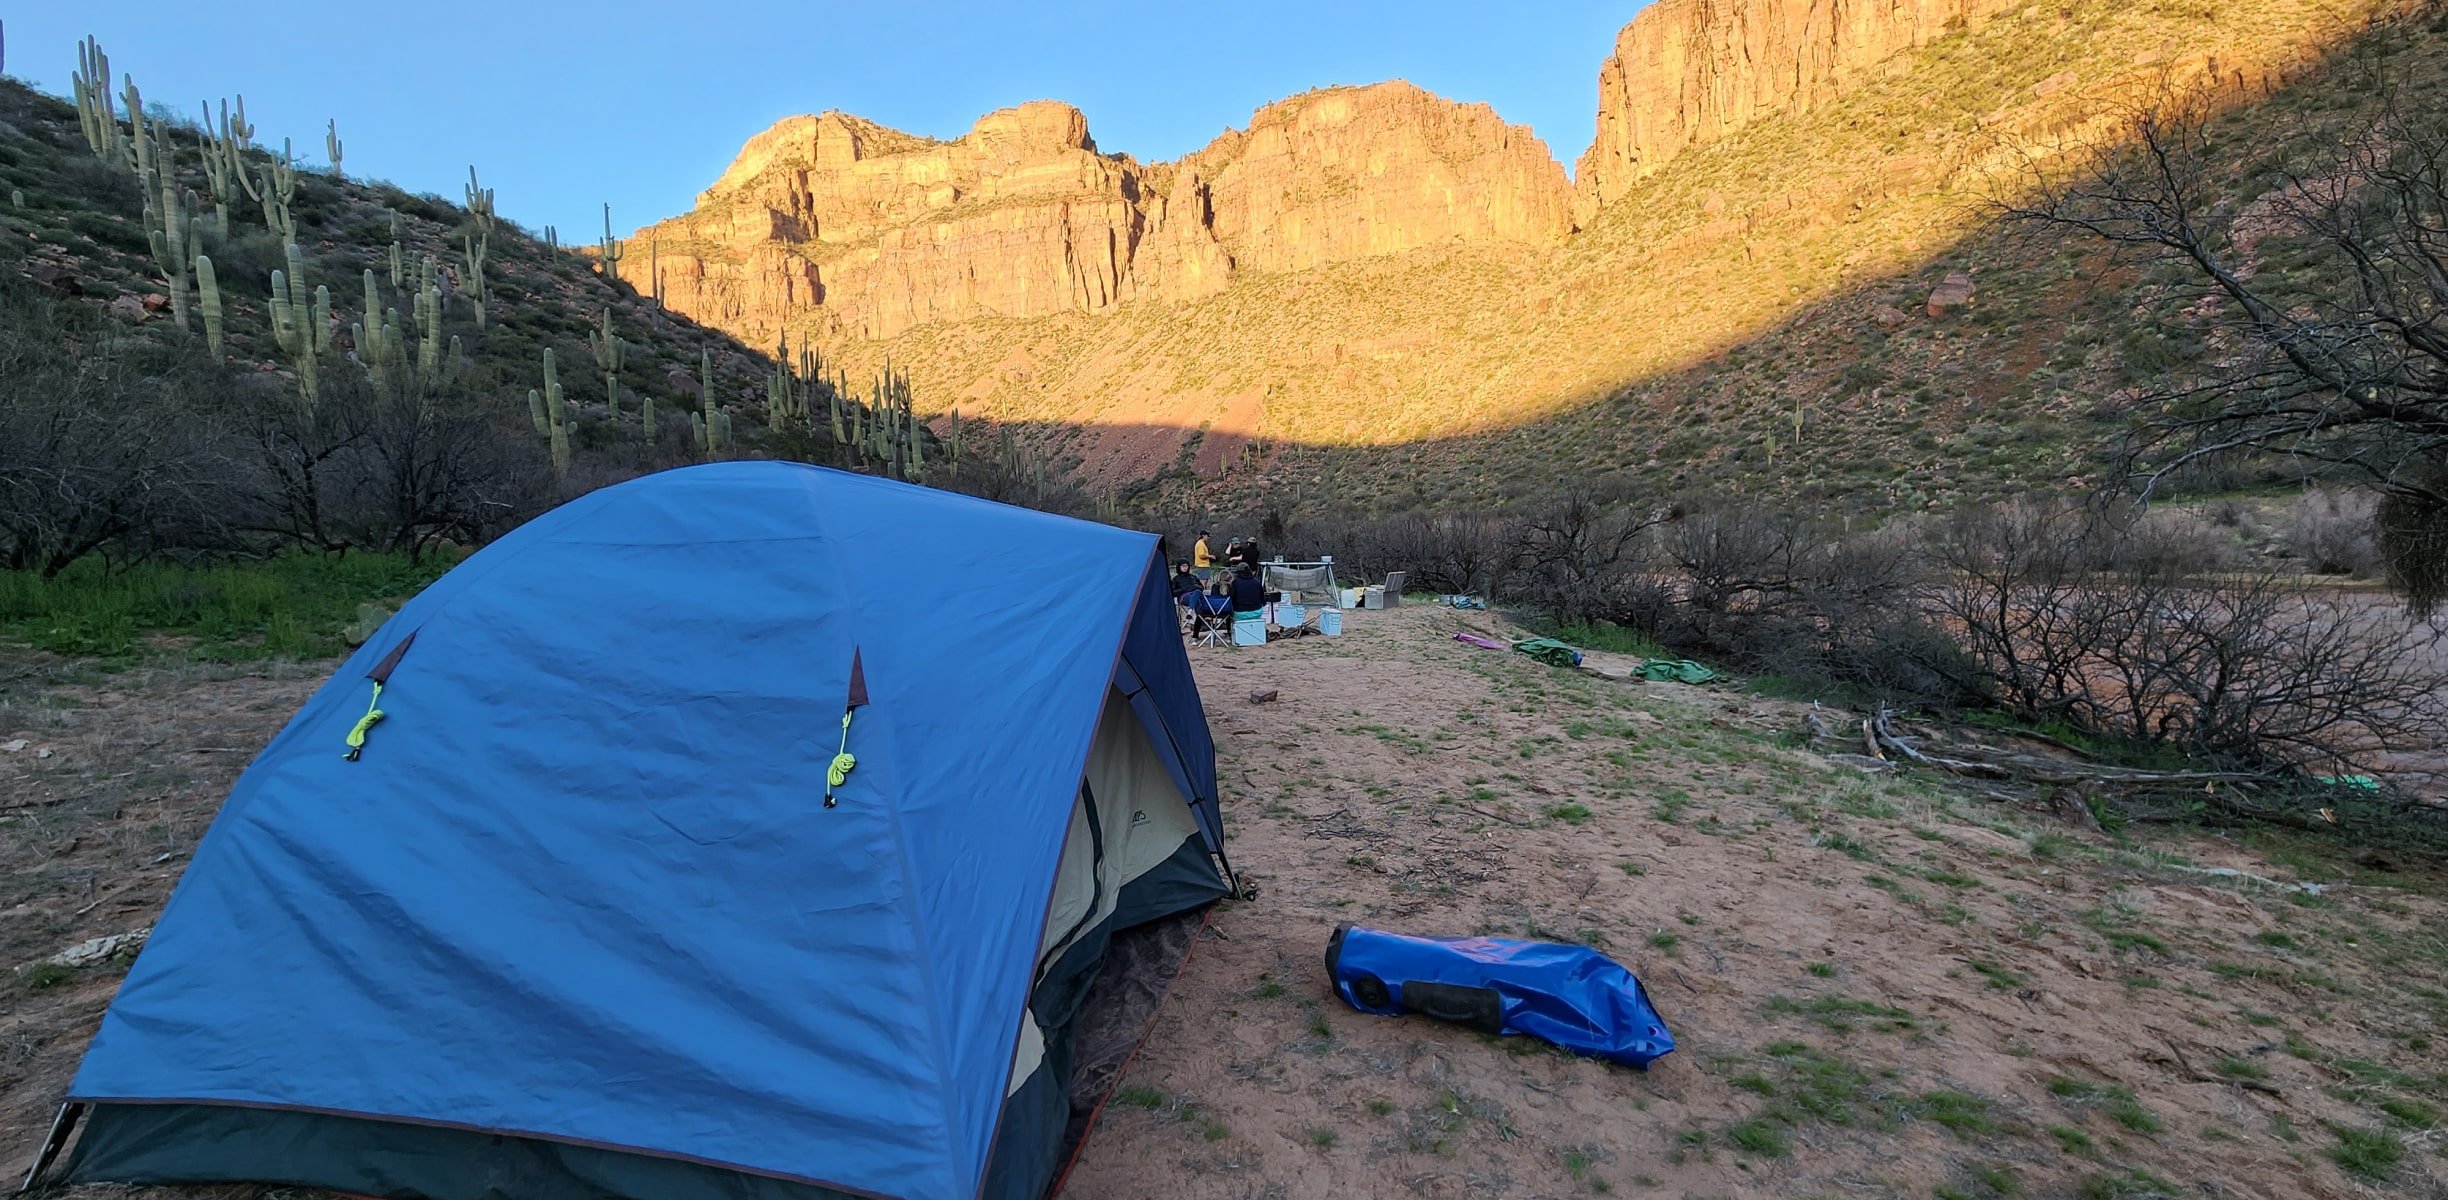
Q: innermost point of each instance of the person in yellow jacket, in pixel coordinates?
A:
(1201, 557)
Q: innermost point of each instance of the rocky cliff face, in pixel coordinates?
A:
(1686, 73)
(875, 232)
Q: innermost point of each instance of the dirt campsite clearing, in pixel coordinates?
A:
(1882, 985)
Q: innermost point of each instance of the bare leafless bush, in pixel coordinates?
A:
(1580, 561)
(1779, 594)
(2079, 620)
(2330, 531)
(101, 442)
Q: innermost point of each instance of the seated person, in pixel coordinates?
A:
(1249, 592)
(1185, 581)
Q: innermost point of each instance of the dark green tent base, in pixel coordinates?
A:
(366, 1156)
(220, 1143)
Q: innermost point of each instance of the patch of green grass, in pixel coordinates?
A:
(1381, 1106)
(45, 975)
(1214, 1130)
(2070, 1139)
(1570, 814)
(2131, 1185)
(1268, 990)
(1993, 1179)
(2127, 1111)
(2241, 1068)
(1576, 1161)
(2413, 1114)
(1670, 807)
(1758, 1136)
(1665, 941)
(1950, 878)
(1823, 970)
(2117, 927)
(1633, 869)
(2052, 845)
(2370, 1154)
(1847, 846)
(1999, 977)
(1843, 1013)
(1321, 1137)
(1957, 1113)
(2275, 937)
(1318, 1026)
(295, 606)
(1612, 638)
(1139, 1095)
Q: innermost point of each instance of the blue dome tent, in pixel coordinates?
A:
(749, 831)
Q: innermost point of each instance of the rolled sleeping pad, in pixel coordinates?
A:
(1571, 996)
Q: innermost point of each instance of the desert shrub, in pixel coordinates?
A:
(2078, 618)
(102, 440)
(1581, 561)
(2330, 531)
(1778, 594)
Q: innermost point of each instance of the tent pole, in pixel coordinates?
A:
(61, 1126)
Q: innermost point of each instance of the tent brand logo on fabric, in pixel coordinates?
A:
(654, 968)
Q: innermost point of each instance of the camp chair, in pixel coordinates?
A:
(1393, 588)
(1211, 620)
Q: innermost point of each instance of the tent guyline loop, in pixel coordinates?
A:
(357, 733)
(843, 761)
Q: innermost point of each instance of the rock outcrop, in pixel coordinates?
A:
(1686, 73)
(875, 232)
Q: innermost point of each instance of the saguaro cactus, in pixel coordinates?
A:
(90, 84)
(208, 289)
(611, 354)
(552, 414)
(276, 186)
(331, 146)
(709, 439)
(610, 252)
(477, 240)
(303, 329)
(646, 422)
(172, 231)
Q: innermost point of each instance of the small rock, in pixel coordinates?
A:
(128, 307)
(45, 752)
(12, 746)
(2055, 83)
(1953, 292)
(56, 278)
(1888, 316)
(1265, 696)
(156, 303)
(94, 950)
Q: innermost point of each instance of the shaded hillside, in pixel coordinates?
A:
(1754, 312)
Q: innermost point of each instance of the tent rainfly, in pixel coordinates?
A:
(739, 831)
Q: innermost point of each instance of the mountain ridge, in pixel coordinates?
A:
(1193, 346)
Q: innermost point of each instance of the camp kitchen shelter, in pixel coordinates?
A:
(576, 919)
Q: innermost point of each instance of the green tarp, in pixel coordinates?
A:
(1676, 670)
(1549, 651)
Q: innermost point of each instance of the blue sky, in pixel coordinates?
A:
(563, 107)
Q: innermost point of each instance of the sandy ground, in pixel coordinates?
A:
(1882, 986)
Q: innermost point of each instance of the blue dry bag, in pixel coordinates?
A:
(1572, 996)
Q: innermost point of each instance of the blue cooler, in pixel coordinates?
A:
(1249, 629)
(1330, 622)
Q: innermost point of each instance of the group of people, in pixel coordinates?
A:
(1215, 585)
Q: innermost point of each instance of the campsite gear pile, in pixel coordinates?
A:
(575, 920)
(1571, 996)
